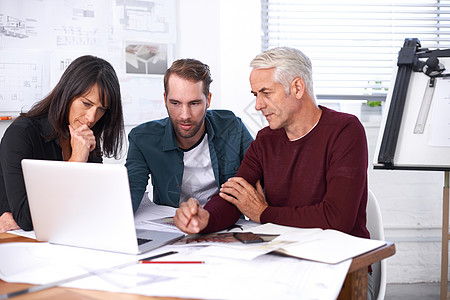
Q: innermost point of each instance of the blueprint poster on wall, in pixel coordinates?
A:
(40, 38)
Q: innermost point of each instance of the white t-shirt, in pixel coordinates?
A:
(198, 176)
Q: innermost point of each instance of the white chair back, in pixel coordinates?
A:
(376, 229)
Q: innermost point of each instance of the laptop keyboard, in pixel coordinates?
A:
(142, 241)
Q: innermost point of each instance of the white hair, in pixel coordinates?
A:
(289, 63)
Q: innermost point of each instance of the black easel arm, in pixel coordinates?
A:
(406, 61)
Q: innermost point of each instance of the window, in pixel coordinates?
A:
(354, 44)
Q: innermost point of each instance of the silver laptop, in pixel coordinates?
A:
(86, 205)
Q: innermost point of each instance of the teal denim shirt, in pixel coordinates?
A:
(153, 151)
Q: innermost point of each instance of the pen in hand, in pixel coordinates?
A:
(192, 215)
(188, 222)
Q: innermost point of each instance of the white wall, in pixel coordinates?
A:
(226, 36)
(198, 37)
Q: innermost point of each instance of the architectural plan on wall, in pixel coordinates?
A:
(147, 28)
(146, 58)
(19, 84)
(49, 35)
(84, 24)
(150, 16)
(19, 27)
(15, 27)
(23, 80)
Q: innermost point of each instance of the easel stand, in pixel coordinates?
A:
(445, 238)
(422, 66)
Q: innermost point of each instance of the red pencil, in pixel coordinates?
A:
(170, 262)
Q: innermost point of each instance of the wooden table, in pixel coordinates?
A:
(355, 284)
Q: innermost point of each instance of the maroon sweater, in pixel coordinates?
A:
(318, 181)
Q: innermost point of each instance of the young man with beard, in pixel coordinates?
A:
(191, 153)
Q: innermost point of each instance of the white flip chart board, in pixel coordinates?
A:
(429, 150)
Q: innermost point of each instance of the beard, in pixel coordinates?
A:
(187, 133)
(183, 133)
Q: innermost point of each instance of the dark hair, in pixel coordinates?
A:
(78, 79)
(190, 69)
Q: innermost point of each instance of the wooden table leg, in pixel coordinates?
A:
(355, 286)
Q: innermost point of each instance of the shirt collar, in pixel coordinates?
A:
(209, 127)
(169, 141)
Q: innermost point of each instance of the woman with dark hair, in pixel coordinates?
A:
(80, 120)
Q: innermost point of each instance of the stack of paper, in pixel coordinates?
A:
(328, 246)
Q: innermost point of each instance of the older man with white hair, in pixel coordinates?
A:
(310, 160)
